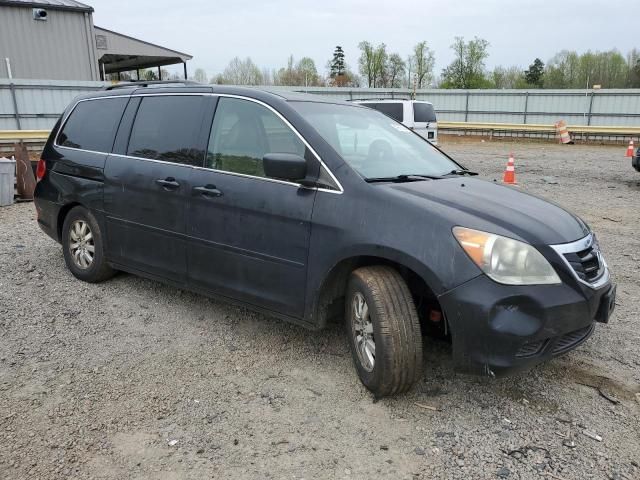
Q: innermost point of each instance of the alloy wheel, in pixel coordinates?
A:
(81, 244)
(363, 332)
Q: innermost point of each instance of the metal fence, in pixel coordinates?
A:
(611, 107)
(35, 104)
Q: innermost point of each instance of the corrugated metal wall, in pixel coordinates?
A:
(62, 47)
(40, 102)
(609, 107)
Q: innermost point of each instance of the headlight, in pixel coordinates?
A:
(504, 259)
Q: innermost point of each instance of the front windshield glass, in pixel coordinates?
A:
(372, 143)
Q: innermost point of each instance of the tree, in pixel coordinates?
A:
(409, 64)
(340, 75)
(568, 69)
(372, 63)
(266, 76)
(148, 74)
(200, 75)
(337, 67)
(534, 75)
(633, 69)
(423, 60)
(508, 77)
(301, 73)
(240, 72)
(307, 73)
(394, 71)
(467, 69)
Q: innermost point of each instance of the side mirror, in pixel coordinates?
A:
(285, 166)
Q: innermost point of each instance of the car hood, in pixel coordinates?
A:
(496, 208)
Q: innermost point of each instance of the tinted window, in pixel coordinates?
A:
(423, 112)
(168, 128)
(243, 132)
(92, 125)
(393, 110)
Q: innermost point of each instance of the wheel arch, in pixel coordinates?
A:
(328, 301)
(62, 214)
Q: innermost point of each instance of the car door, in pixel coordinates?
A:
(160, 140)
(249, 233)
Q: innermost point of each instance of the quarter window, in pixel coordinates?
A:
(168, 128)
(243, 133)
(92, 125)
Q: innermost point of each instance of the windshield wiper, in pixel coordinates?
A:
(462, 172)
(402, 178)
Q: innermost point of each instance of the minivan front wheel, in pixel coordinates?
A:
(384, 330)
(82, 246)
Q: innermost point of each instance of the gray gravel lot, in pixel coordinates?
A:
(134, 379)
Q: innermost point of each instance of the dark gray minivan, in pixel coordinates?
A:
(309, 210)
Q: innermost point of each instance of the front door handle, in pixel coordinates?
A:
(168, 183)
(208, 191)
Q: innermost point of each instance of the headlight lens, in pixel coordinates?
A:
(506, 260)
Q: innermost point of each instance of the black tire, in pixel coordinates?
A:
(97, 270)
(396, 330)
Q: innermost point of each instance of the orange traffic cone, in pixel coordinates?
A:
(629, 149)
(510, 172)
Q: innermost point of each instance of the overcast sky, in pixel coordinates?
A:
(269, 31)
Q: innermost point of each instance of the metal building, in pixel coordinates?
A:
(56, 40)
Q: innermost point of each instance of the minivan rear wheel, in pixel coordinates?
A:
(384, 330)
(83, 247)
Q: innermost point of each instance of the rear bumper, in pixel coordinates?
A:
(47, 215)
(499, 329)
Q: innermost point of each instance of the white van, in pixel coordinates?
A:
(415, 114)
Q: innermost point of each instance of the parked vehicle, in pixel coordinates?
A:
(418, 115)
(635, 160)
(309, 210)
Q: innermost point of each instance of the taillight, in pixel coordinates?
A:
(41, 169)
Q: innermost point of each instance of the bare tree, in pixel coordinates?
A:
(200, 75)
(240, 72)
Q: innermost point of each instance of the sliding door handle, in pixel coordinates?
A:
(168, 183)
(207, 191)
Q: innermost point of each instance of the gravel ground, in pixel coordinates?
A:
(134, 379)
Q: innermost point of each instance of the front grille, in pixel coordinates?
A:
(586, 263)
(530, 349)
(571, 339)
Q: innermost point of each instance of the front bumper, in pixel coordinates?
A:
(498, 329)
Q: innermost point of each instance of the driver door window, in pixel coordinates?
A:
(243, 133)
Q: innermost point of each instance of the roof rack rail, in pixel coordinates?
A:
(145, 83)
(378, 98)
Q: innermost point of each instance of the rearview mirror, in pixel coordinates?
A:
(285, 166)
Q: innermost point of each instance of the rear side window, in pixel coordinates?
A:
(393, 110)
(423, 112)
(168, 128)
(92, 125)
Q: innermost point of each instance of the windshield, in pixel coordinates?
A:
(373, 144)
